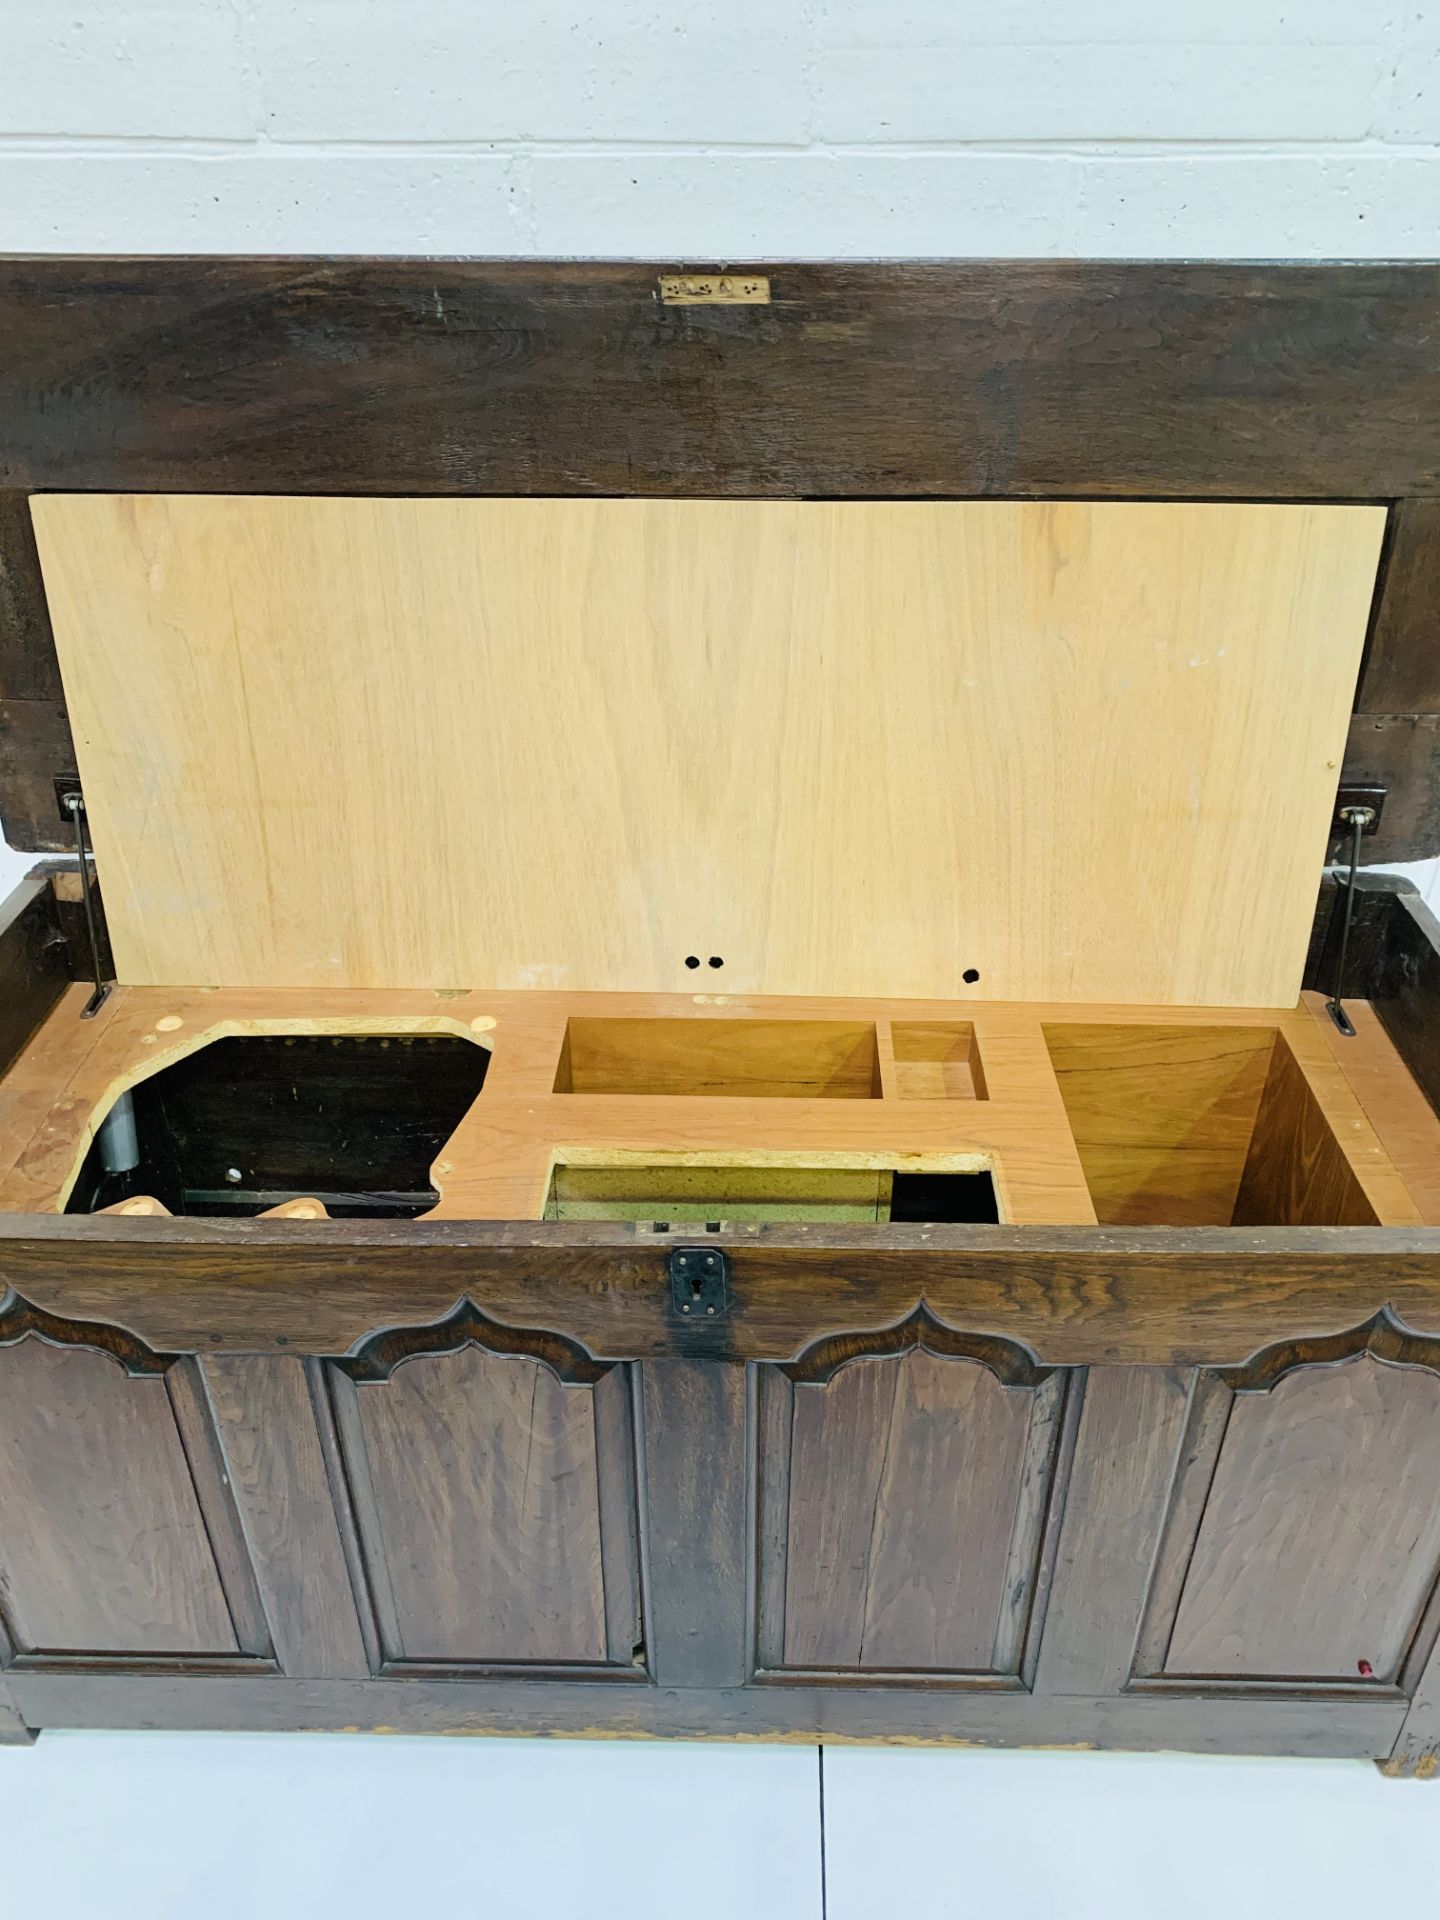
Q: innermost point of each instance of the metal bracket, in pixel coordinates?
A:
(72, 803)
(1358, 819)
(699, 1282)
(1347, 799)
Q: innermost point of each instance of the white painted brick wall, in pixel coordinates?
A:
(712, 129)
(702, 128)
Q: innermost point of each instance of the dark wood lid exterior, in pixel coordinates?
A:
(973, 379)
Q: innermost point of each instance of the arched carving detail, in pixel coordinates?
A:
(1011, 1364)
(1382, 1337)
(377, 1356)
(20, 1320)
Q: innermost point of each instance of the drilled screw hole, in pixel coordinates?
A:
(970, 976)
(692, 960)
(716, 961)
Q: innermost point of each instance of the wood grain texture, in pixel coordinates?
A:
(1320, 1539)
(1294, 379)
(33, 970)
(1406, 1124)
(1295, 1170)
(903, 1490)
(35, 743)
(28, 668)
(1010, 1364)
(1346, 1728)
(1021, 378)
(1162, 1116)
(1125, 1459)
(499, 1162)
(1417, 1750)
(476, 1490)
(276, 1470)
(372, 687)
(103, 1543)
(1402, 666)
(1401, 753)
(696, 1452)
(796, 1059)
(1407, 996)
(1071, 1296)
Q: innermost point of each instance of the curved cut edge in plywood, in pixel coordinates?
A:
(498, 1162)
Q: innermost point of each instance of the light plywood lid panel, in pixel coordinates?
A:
(1087, 750)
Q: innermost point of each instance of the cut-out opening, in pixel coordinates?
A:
(937, 1060)
(758, 1059)
(1191, 1126)
(248, 1123)
(667, 1197)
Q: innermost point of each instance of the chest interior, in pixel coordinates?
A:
(711, 863)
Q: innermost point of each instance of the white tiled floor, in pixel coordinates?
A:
(1030, 1836)
(310, 1826)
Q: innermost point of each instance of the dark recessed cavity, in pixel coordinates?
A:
(970, 976)
(941, 1198)
(247, 1124)
(668, 1199)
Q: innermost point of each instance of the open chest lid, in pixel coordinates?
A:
(1063, 751)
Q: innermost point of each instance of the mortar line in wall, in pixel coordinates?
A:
(78, 145)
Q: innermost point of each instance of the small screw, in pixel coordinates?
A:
(710, 1309)
(234, 1176)
(682, 1259)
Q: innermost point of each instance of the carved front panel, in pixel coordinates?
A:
(1304, 1536)
(495, 1508)
(903, 1500)
(118, 1544)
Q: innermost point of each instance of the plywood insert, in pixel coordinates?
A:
(391, 1101)
(1035, 751)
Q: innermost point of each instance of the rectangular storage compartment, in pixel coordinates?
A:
(758, 1059)
(1192, 1126)
(664, 1196)
(937, 1060)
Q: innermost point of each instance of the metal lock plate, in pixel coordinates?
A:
(699, 1282)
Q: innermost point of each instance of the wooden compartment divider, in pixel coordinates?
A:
(1132, 1116)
